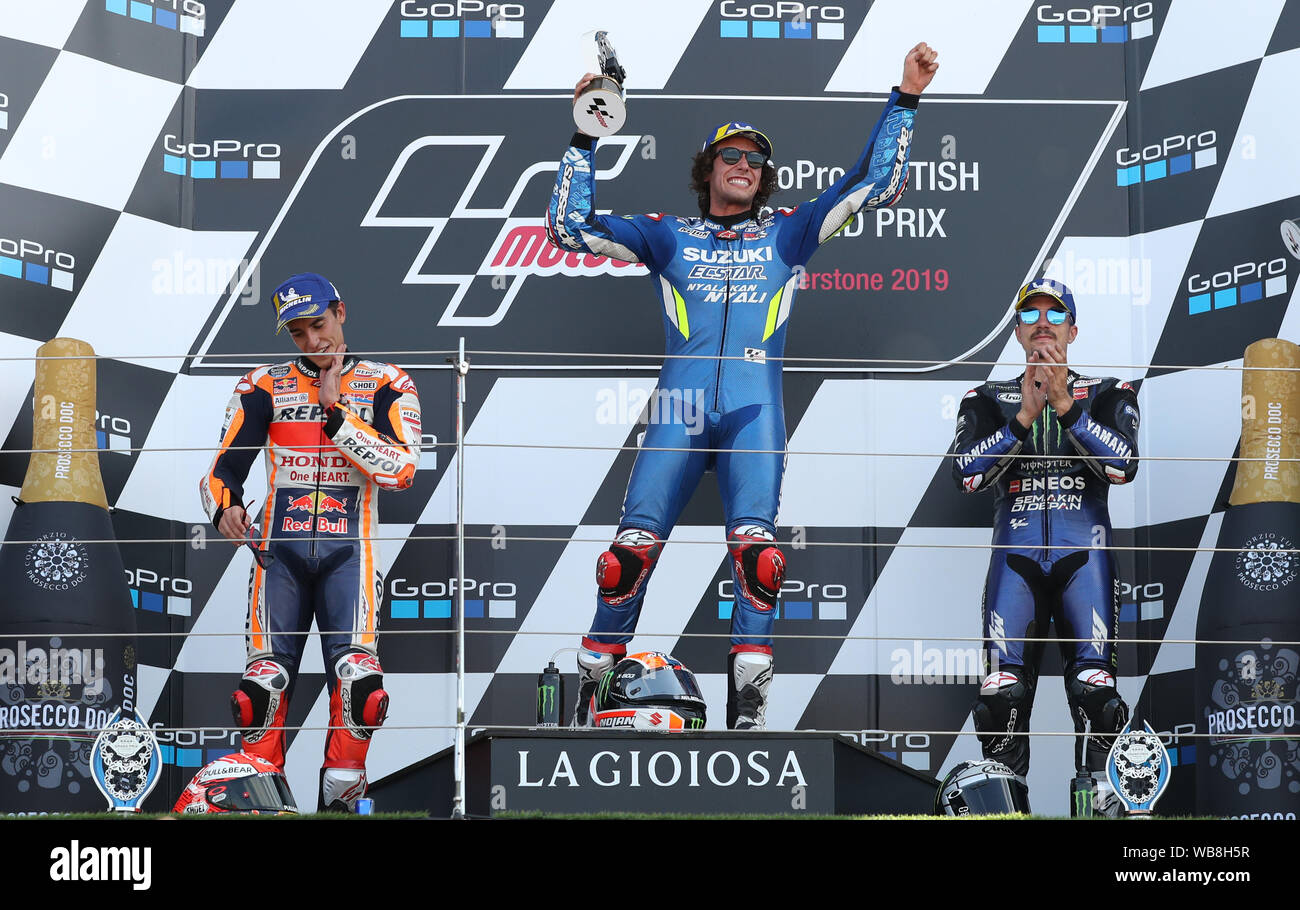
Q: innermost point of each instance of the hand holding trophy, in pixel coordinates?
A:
(598, 104)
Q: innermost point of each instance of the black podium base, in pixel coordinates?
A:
(581, 771)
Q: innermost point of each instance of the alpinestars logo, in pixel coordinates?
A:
(520, 248)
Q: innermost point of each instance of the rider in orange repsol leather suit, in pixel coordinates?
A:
(324, 471)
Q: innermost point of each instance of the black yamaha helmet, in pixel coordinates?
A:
(648, 691)
(981, 788)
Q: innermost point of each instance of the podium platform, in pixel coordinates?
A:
(589, 771)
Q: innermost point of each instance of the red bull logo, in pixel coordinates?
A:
(316, 503)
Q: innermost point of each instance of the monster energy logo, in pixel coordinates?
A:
(695, 723)
(605, 682)
(546, 699)
(1084, 800)
(1043, 424)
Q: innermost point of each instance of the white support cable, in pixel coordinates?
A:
(597, 448)
(867, 364)
(783, 636)
(90, 733)
(805, 544)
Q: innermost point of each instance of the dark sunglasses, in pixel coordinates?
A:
(732, 155)
(1054, 316)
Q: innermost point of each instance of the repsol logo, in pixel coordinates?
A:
(727, 257)
(632, 768)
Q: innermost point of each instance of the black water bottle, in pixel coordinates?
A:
(550, 697)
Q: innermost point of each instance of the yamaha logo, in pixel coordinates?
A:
(56, 563)
(1263, 563)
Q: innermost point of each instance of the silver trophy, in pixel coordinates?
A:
(600, 110)
(125, 762)
(1138, 768)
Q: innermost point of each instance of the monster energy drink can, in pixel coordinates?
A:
(550, 697)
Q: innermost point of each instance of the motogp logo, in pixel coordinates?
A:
(520, 248)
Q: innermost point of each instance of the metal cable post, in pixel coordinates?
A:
(462, 371)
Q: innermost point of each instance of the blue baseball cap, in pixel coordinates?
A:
(305, 294)
(735, 128)
(1046, 287)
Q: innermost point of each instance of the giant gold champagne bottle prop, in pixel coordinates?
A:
(1246, 698)
(58, 685)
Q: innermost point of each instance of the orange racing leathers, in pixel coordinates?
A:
(324, 472)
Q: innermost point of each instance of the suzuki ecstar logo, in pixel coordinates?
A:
(520, 248)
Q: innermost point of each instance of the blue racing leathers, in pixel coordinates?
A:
(1050, 527)
(726, 291)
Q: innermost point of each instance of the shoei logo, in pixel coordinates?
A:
(1101, 23)
(229, 159)
(782, 19)
(189, 17)
(520, 248)
(33, 261)
(1172, 155)
(461, 19)
(435, 599)
(1245, 282)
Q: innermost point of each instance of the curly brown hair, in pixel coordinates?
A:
(702, 170)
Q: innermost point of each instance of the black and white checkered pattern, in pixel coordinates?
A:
(98, 97)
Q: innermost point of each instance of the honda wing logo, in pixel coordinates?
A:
(520, 248)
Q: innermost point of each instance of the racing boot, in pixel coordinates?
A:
(749, 675)
(592, 665)
(340, 788)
